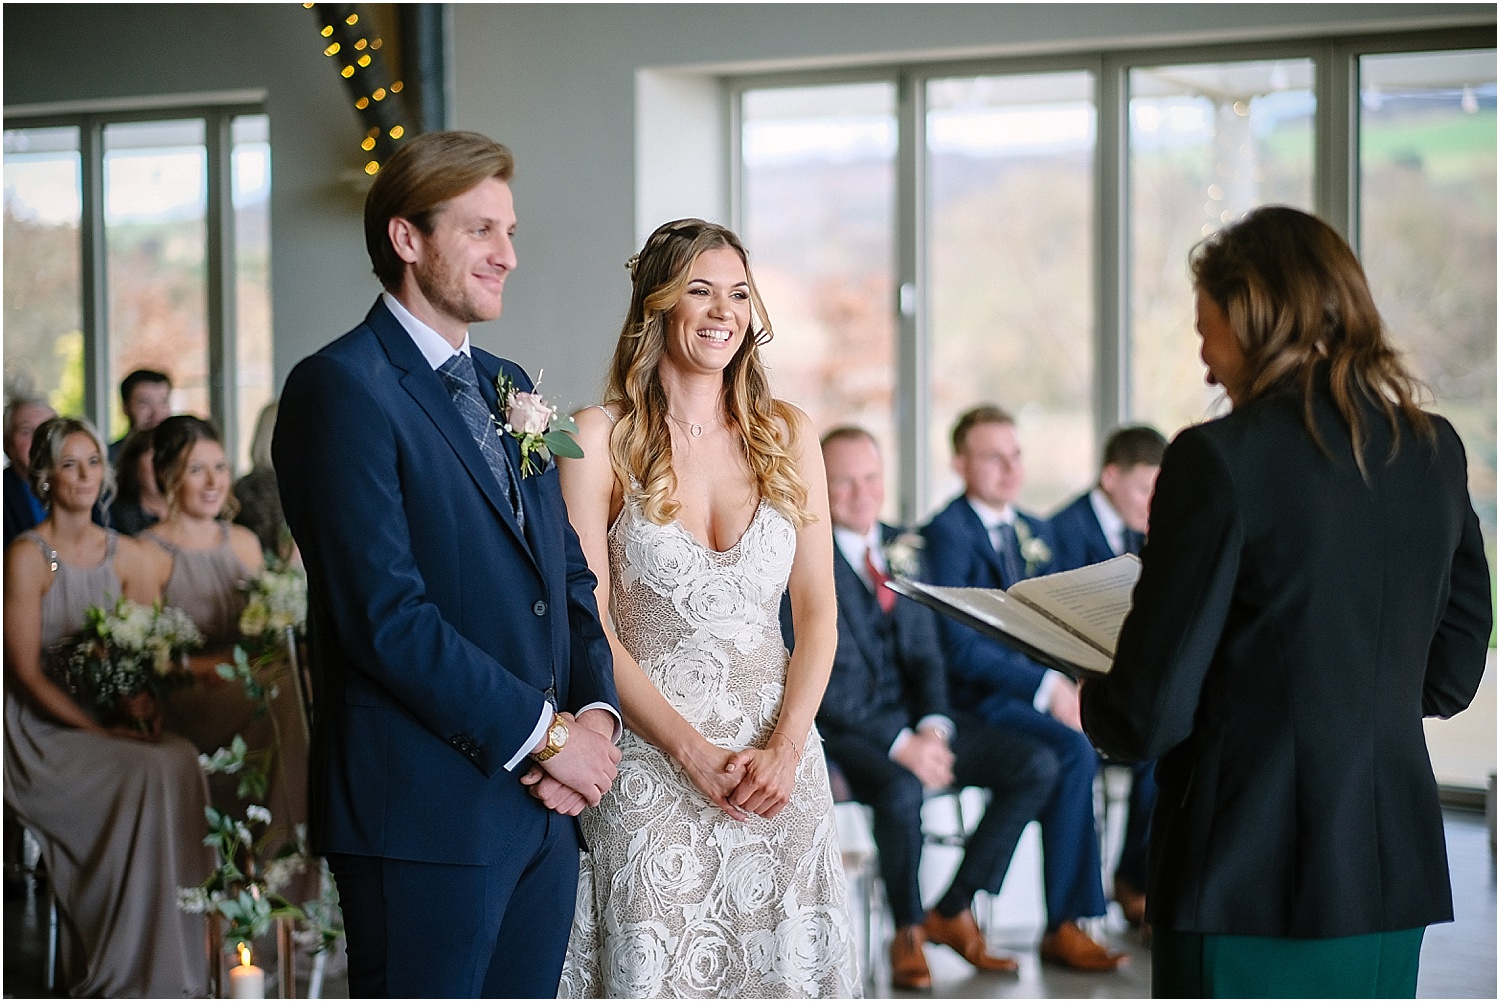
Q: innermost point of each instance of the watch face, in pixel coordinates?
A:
(557, 735)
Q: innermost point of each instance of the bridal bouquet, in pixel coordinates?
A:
(127, 651)
(277, 602)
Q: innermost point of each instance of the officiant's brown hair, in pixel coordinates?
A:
(416, 183)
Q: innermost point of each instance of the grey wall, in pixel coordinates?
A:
(566, 86)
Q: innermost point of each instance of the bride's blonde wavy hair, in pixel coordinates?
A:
(640, 444)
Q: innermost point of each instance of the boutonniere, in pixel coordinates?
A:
(1034, 550)
(536, 426)
(903, 555)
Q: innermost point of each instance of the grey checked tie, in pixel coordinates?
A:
(459, 377)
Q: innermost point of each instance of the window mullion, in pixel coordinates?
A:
(1336, 188)
(220, 260)
(92, 275)
(1111, 250)
(911, 296)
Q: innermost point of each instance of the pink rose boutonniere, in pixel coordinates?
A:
(536, 426)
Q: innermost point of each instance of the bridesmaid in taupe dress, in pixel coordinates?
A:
(118, 812)
(211, 560)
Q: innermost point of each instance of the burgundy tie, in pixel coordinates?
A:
(878, 578)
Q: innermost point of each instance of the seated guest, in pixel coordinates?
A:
(887, 725)
(23, 509)
(1100, 524)
(118, 811)
(139, 504)
(257, 493)
(210, 560)
(980, 540)
(146, 396)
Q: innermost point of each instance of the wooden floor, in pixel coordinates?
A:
(1458, 960)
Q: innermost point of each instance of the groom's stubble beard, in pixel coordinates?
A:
(443, 287)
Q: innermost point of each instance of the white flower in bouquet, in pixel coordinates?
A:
(125, 651)
(277, 601)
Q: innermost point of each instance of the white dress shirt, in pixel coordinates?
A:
(1109, 520)
(437, 350)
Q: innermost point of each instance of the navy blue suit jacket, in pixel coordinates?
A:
(960, 554)
(1080, 538)
(868, 693)
(435, 623)
(19, 513)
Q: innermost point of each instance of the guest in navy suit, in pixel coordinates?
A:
(887, 723)
(452, 625)
(981, 541)
(1101, 524)
(1315, 584)
(23, 509)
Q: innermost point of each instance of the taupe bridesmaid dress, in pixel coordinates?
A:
(120, 824)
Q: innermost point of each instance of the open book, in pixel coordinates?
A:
(1068, 621)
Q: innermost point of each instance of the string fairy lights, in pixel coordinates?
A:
(352, 45)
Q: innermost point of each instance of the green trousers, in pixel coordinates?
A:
(1194, 965)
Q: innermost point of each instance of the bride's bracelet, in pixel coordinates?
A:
(778, 734)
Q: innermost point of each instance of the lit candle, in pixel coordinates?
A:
(246, 981)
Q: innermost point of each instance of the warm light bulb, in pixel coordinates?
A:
(244, 955)
(361, 44)
(367, 145)
(397, 131)
(379, 94)
(372, 167)
(376, 44)
(327, 30)
(347, 72)
(332, 50)
(374, 131)
(396, 87)
(364, 60)
(362, 103)
(352, 19)
(307, 6)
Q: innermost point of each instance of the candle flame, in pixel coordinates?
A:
(244, 955)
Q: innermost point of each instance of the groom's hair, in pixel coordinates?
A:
(416, 183)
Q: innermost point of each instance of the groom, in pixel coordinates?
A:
(454, 639)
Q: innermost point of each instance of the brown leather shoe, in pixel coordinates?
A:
(1071, 946)
(962, 933)
(908, 963)
(1132, 902)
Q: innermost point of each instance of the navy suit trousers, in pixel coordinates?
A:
(440, 930)
(1070, 846)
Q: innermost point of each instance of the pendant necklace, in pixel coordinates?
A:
(692, 428)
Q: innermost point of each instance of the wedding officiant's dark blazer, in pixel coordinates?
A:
(435, 623)
(1292, 625)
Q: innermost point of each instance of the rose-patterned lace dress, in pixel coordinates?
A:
(675, 898)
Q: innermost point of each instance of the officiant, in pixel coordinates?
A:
(1313, 585)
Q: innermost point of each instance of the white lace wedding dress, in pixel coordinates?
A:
(675, 898)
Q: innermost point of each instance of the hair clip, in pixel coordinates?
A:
(630, 264)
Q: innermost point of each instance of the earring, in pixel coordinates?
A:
(46, 487)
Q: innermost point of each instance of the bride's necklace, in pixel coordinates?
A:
(692, 428)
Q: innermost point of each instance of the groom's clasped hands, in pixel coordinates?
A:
(583, 771)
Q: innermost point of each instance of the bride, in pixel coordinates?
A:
(714, 866)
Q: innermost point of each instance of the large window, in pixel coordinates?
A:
(140, 242)
(819, 185)
(1018, 232)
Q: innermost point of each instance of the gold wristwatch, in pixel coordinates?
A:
(557, 737)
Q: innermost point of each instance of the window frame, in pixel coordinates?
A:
(1336, 169)
(220, 260)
